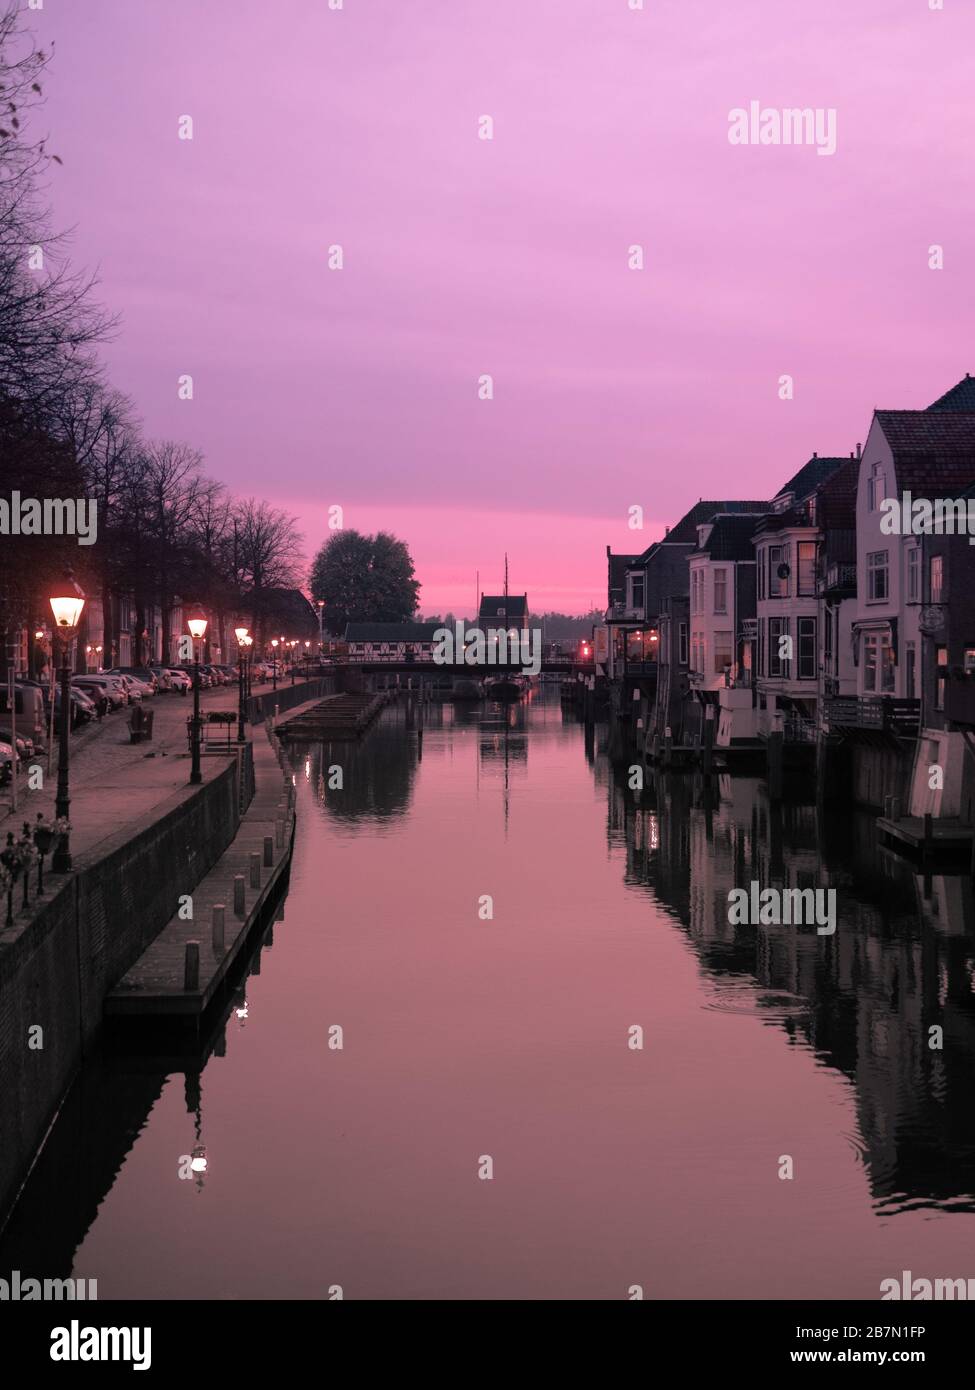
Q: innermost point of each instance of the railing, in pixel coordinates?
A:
(840, 577)
(796, 728)
(878, 713)
(621, 611)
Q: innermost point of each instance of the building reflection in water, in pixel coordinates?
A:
(864, 1000)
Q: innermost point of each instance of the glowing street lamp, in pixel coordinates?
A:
(197, 626)
(67, 603)
(241, 634)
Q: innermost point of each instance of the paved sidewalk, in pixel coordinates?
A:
(114, 782)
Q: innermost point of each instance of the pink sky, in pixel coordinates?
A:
(462, 256)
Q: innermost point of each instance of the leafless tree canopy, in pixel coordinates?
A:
(165, 530)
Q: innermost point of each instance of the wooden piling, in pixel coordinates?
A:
(268, 851)
(774, 770)
(191, 966)
(238, 895)
(218, 929)
(255, 863)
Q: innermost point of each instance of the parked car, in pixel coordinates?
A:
(117, 683)
(100, 686)
(136, 685)
(25, 746)
(134, 689)
(140, 673)
(180, 679)
(163, 679)
(217, 676)
(6, 763)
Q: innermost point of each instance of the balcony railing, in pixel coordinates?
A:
(839, 578)
(622, 612)
(884, 714)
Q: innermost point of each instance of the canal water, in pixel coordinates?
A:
(489, 913)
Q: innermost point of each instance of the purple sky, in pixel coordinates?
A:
(462, 256)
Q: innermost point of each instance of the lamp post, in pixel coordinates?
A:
(241, 634)
(321, 625)
(197, 627)
(292, 645)
(66, 604)
(274, 663)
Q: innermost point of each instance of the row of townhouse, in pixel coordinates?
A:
(807, 613)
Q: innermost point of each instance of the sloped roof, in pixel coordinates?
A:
(836, 499)
(391, 632)
(495, 605)
(960, 397)
(731, 536)
(685, 531)
(934, 451)
(810, 476)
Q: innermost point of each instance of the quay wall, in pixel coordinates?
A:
(261, 707)
(56, 970)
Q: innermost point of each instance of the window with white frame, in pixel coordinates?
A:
(806, 566)
(720, 591)
(724, 651)
(778, 649)
(914, 574)
(877, 576)
(937, 573)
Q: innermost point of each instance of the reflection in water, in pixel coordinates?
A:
(330, 1124)
(900, 964)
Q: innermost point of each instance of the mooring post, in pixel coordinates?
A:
(928, 837)
(279, 832)
(268, 851)
(774, 755)
(238, 895)
(708, 747)
(255, 862)
(191, 966)
(218, 924)
(895, 808)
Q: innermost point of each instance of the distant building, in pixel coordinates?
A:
(503, 610)
(391, 641)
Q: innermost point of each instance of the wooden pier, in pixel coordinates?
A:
(340, 716)
(930, 836)
(183, 969)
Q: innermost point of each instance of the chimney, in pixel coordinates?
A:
(858, 450)
(815, 455)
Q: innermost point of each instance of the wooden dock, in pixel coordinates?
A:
(946, 835)
(340, 716)
(171, 978)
